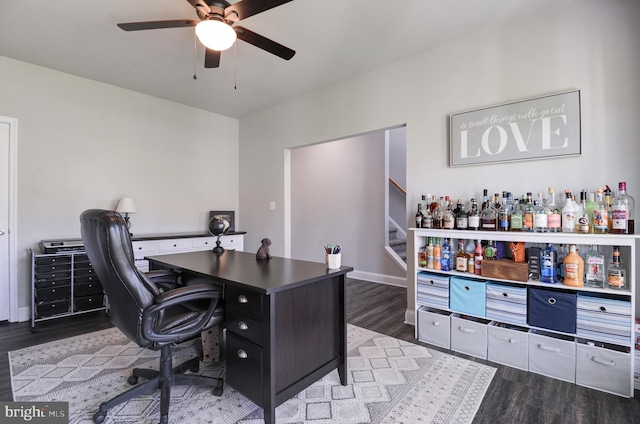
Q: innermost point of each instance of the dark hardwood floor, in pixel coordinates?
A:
(514, 396)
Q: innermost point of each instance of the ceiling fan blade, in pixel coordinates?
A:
(246, 8)
(175, 23)
(211, 58)
(264, 43)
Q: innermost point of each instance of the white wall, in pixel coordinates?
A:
(593, 46)
(337, 197)
(84, 144)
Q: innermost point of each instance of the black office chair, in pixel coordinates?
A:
(147, 315)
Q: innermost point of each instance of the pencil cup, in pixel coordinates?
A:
(333, 260)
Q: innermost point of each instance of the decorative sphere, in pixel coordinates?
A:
(218, 226)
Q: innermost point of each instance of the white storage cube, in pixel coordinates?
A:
(603, 368)
(434, 327)
(508, 345)
(553, 355)
(469, 335)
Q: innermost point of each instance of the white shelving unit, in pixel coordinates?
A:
(595, 359)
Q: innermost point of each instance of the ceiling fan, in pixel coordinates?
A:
(217, 19)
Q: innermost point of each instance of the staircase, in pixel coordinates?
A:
(399, 245)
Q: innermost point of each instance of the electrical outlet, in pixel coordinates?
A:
(272, 205)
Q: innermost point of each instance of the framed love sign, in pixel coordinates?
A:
(542, 127)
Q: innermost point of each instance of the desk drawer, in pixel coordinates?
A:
(244, 365)
(53, 293)
(203, 243)
(53, 260)
(244, 302)
(245, 327)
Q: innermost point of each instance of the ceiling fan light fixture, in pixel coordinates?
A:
(215, 34)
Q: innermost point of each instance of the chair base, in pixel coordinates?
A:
(161, 380)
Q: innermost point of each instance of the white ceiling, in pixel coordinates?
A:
(334, 39)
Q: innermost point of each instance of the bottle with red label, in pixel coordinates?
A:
(622, 210)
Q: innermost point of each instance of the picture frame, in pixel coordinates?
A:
(228, 215)
(536, 128)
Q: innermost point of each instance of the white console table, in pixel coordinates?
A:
(153, 245)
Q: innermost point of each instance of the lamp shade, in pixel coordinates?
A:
(215, 34)
(126, 205)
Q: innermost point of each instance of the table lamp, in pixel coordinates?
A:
(126, 206)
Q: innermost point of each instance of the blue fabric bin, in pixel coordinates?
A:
(467, 296)
(554, 310)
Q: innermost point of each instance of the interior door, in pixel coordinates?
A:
(4, 222)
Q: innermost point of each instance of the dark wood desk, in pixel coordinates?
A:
(286, 321)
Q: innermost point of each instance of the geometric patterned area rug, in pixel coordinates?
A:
(389, 381)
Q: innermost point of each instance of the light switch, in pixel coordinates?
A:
(272, 205)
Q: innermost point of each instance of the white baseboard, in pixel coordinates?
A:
(410, 317)
(378, 278)
(24, 314)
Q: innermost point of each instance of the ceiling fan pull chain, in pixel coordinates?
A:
(235, 66)
(195, 53)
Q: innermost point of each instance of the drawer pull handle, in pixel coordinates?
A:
(242, 354)
(466, 330)
(603, 309)
(242, 299)
(552, 301)
(505, 294)
(243, 325)
(436, 323)
(466, 288)
(603, 362)
(508, 339)
(549, 348)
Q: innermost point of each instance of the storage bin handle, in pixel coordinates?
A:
(603, 362)
(467, 288)
(435, 322)
(603, 309)
(507, 339)
(549, 348)
(552, 301)
(466, 330)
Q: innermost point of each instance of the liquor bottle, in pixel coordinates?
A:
(568, 214)
(446, 254)
(478, 258)
(516, 216)
(592, 205)
(554, 220)
(540, 217)
(437, 255)
(458, 207)
(419, 217)
(504, 214)
(562, 253)
(608, 200)
(427, 218)
(423, 202)
(527, 214)
(422, 257)
(600, 214)
(583, 218)
(490, 251)
(485, 199)
(622, 211)
(448, 218)
(615, 271)
(548, 264)
(470, 249)
(437, 214)
(430, 262)
(473, 219)
(462, 259)
(462, 217)
(434, 203)
(594, 273)
(573, 268)
(489, 218)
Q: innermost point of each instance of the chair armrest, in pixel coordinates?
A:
(163, 278)
(180, 296)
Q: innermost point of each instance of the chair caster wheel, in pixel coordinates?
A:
(133, 380)
(99, 417)
(217, 391)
